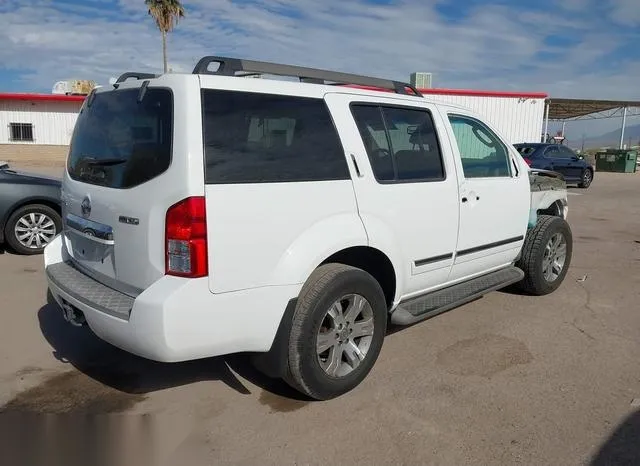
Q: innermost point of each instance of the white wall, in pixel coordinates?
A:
(53, 122)
(518, 119)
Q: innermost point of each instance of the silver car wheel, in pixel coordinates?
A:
(555, 256)
(35, 230)
(345, 335)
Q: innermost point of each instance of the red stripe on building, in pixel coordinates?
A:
(41, 97)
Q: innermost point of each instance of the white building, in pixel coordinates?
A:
(518, 116)
(37, 127)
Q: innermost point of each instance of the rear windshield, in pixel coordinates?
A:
(121, 142)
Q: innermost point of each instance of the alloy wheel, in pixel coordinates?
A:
(345, 335)
(35, 230)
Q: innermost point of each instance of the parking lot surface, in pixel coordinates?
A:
(507, 379)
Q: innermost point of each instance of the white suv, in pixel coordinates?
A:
(208, 213)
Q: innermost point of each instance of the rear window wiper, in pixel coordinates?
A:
(107, 162)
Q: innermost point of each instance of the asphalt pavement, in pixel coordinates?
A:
(507, 379)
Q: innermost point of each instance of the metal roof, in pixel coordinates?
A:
(582, 109)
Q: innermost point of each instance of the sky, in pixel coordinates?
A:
(566, 48)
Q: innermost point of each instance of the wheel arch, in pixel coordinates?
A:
(555, 209)
(374, 262)
(273, 362)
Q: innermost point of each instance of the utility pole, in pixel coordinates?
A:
(624, 123)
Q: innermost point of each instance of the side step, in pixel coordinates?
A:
(429, 305)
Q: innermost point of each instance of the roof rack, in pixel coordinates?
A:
(232, 66)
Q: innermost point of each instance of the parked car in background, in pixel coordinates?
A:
(556, 157)
(29, 210)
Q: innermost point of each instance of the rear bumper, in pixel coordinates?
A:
(175, 319)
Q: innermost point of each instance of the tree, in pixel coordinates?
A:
(166, 14)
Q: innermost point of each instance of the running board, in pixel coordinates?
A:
(429, 305)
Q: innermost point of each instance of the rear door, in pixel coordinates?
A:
(279, 195)
(127, 163)
(494, 197)
(406, 184)
(560, 161)
(571, 161)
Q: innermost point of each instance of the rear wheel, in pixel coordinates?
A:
(337, 332)
(30, 228)
(586, 178)
(546, 255)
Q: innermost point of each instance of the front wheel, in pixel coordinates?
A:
(546, 255)
(337, 332)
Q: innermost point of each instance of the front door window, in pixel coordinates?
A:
(483, 154)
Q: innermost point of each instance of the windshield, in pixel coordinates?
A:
(120, 141)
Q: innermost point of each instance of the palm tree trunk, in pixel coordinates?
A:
(164, 50)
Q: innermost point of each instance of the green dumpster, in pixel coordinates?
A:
(617, 160)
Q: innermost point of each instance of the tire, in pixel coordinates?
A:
(586, 178)
(534, 259)
(326, 286)
(23, 219)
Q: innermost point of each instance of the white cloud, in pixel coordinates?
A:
(493, 46)
(626, 12)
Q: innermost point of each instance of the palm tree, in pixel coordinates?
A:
(166, 14)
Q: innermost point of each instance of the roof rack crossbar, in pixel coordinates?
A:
(134, 74)
(231, 66)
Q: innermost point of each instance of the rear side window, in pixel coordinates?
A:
(121, 142)
(525, 150)
(401, 143)
(265, 138)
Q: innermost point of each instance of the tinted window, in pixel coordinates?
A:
(401, 143)
(261, 138)
(119, 142)
(566, 152)
(483, 154)
(553, 152)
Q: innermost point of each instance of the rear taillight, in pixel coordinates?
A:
(186, 239)
(527, 161)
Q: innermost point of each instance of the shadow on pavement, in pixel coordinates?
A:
(622, 448)
(125, 372)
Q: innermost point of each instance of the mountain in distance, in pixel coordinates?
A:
(610, 139)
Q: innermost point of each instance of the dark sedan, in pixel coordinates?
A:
(558, 158)
(29, 210)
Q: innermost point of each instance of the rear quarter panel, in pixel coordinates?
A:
(277, 233)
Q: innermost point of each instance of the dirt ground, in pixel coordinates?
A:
(507, 379)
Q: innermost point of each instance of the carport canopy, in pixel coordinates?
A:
(558, 109)
(589, 109)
